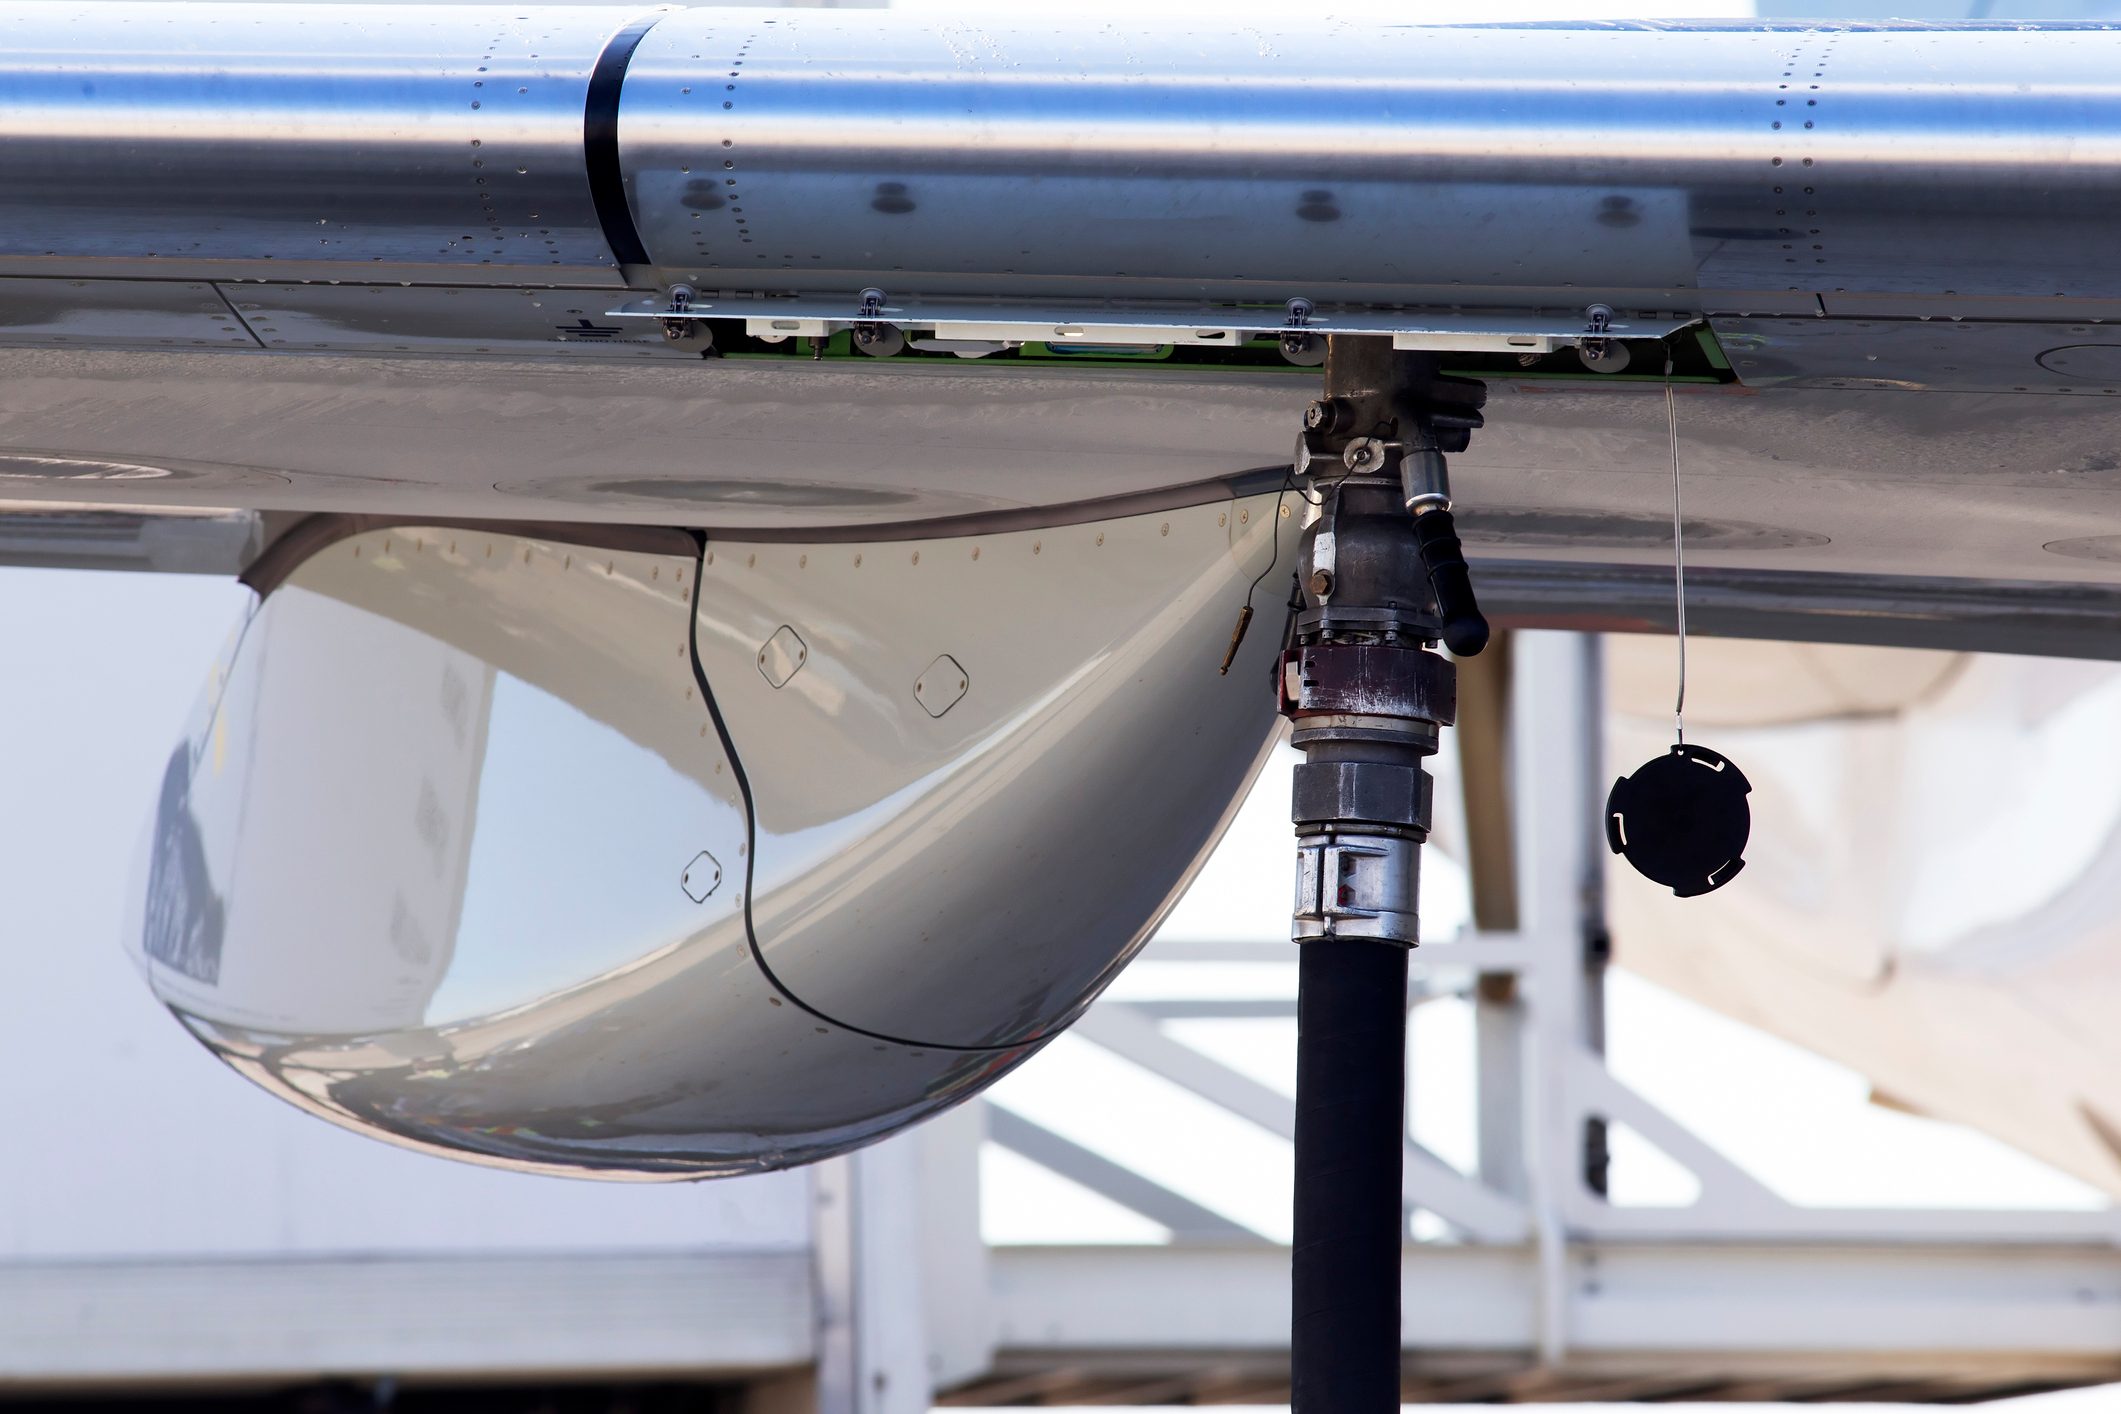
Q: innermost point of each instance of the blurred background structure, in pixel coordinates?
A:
(1841, 1131)
(1850, 1130)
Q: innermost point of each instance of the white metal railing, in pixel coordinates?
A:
(1529, 1273)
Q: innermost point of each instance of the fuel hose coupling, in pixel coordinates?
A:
(1365, 715)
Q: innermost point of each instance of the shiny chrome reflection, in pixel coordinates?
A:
(456, 856)
(1001, 754)
(166, 138)
(1650, 165)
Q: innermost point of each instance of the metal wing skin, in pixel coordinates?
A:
(833, 449)
(621, 857)
(295, 259)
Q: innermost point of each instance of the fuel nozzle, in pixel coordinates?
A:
(1425, 482)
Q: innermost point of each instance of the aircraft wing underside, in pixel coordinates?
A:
(447, 326)
(788, 273)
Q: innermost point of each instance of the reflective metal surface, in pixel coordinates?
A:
(1733, 168)
(59, 536)
(391, 319)
(277, 138)
(454, 855)
(1925, 355)
(1958, 196)
(1001, 752)
(1333, 160)
(118, 313)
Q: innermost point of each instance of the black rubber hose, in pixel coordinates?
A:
(1351, 1048)
(1465, 629)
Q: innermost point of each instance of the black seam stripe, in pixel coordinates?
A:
(600, 144)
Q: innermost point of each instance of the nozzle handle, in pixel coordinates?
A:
(1465, 630)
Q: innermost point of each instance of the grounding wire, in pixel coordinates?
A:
(751, 850)
(1671, 423)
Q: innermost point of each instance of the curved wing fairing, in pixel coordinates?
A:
(463, 856)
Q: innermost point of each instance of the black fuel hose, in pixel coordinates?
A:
(1351, 1017)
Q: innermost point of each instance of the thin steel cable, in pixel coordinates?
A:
(1671, 422)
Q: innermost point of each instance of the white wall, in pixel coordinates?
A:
(120, 1137)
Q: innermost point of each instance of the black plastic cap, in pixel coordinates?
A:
(1682, 820)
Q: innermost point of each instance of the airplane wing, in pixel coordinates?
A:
(370, 261)
(375, 304)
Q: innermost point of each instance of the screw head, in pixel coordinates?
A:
(1364, 455)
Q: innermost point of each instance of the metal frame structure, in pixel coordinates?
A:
(1539, 1288)
(1542, 1289)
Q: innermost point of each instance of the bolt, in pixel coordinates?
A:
(1364, 455)
(1321, 582)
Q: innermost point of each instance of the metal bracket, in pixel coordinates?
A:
(1325, 549)
(869, 325)
(676, 324)
(1598, 324)
(1298, 344)
(1064, 322)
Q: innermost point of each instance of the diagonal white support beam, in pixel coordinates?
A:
(1726, 1189)
(1186, 1219)
(1479, 1213)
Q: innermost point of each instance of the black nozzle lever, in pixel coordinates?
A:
(1465, 630)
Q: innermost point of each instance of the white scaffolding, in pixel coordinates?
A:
(198, 1232)
(1540, 1286)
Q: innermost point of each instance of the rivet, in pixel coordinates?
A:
(1164, 529)
(1244, 517)
(751, 562)
(916, 557)
(857, 561)
(1036, 546)
(1223, 519)
(1100, 537)
(802, 562)
(975, 552)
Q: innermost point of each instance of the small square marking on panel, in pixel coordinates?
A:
(940, 685)
(782, 656)
(701, 877)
